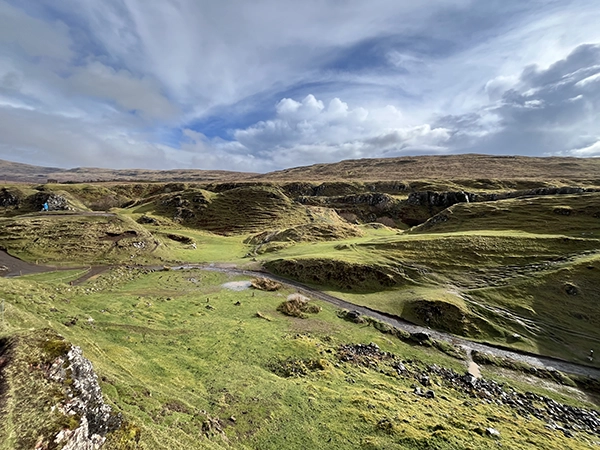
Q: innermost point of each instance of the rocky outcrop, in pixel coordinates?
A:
(50, 397)
(439, 199)
(8, 198)
(359, 208)
(375, 199)
(55, 202)
(84, 400)
(446, 199)
(557, 416)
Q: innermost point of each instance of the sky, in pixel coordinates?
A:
(264, 85)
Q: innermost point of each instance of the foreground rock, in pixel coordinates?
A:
(50, 396)
(84, 399)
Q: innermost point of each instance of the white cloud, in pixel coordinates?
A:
(121, 87)
(587, 152)
(546, 111)
(34, 36)
(307, 131)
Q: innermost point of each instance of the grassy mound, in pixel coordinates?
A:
(75, 239)
(562, 214)
(325, 225)
(235, 211)
(446, 316)
(338, 273)
(15, 201)
(298, 305)
(477, 260)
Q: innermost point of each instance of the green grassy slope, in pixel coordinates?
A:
(492, 283)
(66, 239)
(573, 215)
(188, 376)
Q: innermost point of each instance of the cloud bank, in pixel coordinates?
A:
(266, 85)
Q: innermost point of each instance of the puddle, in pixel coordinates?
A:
(237, 285)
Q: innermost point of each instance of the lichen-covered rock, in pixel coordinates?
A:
(50, 397)
(84, 400)
(80, 438)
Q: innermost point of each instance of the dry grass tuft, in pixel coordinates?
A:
(265, 284)
(297, 305)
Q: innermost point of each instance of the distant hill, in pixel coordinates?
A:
(449, 167)
(11, 171)
(17, 172)
(457, 167)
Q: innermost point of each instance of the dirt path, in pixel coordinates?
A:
(92, 272)
(11, 266)
(69, 213)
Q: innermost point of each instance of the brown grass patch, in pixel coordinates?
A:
(265, 284)
(297, 305)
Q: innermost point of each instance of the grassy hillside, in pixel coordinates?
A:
(475, 170)
(573, 215)
(462, 271)
(485, 285)
(191, 364)
(27, 173)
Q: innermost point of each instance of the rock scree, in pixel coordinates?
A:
(559, 417)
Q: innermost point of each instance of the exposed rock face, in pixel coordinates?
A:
(85, 401)
(55, 202)
(8, 198)
(364, 207)
(446, 199)
(148, 220)
(442, 199)
(375, 199)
